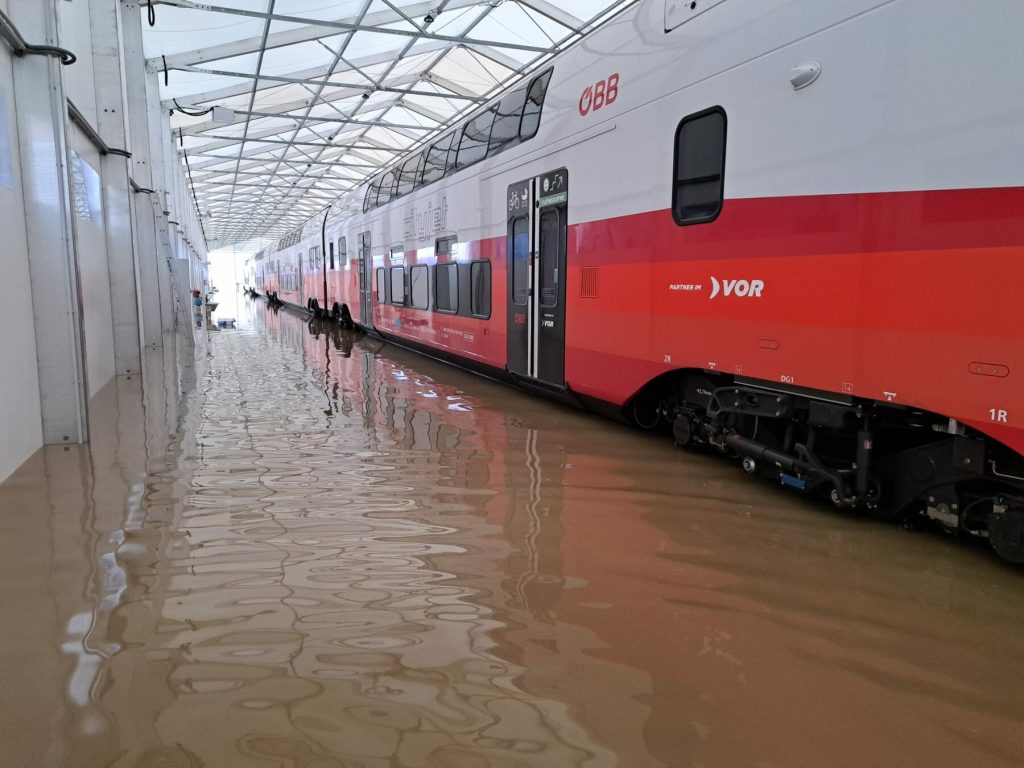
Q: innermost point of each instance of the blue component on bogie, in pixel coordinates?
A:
(792, 482)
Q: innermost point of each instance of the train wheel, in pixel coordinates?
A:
(1006, 532)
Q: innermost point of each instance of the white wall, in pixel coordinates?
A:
(75, 257)
(20, 416)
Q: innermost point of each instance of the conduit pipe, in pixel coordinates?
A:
(13, 38)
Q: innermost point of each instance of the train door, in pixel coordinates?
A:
(365, 280)
(536, 231)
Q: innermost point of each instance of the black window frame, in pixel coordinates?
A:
(524, 290)
(391, 285)
(412, 283)
(473, 265)
(545, 79)
(408, 178)
(371, 194)
(437, 147)
(447, 265)
(720, 176)
(484, 144)
(391, 192)
(510, 116)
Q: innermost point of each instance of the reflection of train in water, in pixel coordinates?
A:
(681, 221)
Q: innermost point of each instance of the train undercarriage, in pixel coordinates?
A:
(892, 462)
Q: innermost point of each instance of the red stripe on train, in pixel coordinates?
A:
(813, 224)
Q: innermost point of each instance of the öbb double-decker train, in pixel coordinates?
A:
(786, 229)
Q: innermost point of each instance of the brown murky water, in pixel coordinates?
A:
(312, 551)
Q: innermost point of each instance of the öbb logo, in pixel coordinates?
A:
(750, 289)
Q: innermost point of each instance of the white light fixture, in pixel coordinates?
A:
(804, 74)
(224, 115)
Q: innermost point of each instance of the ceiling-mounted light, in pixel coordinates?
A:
(432, 14)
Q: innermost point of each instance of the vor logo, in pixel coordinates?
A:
(743, 288)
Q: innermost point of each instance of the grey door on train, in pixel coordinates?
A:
(536, 232)
(365, 280)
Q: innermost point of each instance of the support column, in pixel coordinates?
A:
(144, 232)
(56, 310)
(111, 118)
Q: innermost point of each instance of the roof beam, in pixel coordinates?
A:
(554, 13)
(316, 73)
(345, 26)
(301, 34)
(355, 88)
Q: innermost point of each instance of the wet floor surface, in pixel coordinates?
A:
(314, 550)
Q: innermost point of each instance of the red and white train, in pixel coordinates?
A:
(788, 229)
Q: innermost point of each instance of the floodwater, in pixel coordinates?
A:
(311, 550)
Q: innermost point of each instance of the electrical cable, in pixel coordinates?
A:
(184, 111)
(192, 188)
(151, 12)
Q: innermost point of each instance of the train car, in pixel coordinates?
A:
(791, 231)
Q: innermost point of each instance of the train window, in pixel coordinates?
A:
(371, 194)
(446, 246)
(534, 104)
(342, 252)
(419, 287)
(475, 136)
(398, 286)
(480, 289)
(446, 287)
(381, 295)
(387, 186)
(520, 260)
(407, 176)
(699, 167)
(330, 248)
(505, 132)
(437, 159)
(550, 243)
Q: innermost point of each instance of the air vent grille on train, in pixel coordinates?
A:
(588, 283)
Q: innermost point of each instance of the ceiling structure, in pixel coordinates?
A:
(280, 106)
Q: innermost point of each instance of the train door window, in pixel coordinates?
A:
(437, 159)
(330, 248)
(480, 289)
(475, 137)
(381, 288)
(505, 132)
(520, 260)
(342, 252)
(419, 287)
(534, 104)
(550, 243)
(398, 286)
(446, 287)
(387, 186)
(407, 176)
(699, 167)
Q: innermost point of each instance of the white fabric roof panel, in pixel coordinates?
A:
(323, 94)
